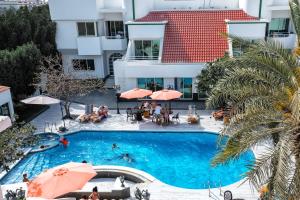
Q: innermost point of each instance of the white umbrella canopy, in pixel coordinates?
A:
(5, 122)
(41, 100)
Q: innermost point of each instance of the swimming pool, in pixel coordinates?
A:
(178, 159)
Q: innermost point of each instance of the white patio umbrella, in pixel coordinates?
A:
(41, 100)
(44, 100)
(5, 123)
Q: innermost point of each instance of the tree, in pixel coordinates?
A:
(295, 11)
(12, 140)
(263, 89)
(209, 77)
(18, 69)
(64, 85)
(24, 26)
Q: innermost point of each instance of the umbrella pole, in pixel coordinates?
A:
(62, 114)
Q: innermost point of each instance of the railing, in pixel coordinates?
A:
(211, 194)
(115, 37)
(279, 34)
(26, 2)
(142, 57)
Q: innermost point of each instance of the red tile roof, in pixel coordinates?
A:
(195, 36)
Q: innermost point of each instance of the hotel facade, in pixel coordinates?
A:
(156, 44)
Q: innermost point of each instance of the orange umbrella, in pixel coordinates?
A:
(165, 95)
(61, 180)
(136, 93)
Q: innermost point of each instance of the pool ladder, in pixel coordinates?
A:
(213, 195)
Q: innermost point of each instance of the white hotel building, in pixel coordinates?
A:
(157, 44)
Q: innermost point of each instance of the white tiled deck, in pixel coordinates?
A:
(157, 189)
(119, 122)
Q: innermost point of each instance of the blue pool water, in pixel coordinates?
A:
(178, 159)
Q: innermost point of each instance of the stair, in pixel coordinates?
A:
(109, 83)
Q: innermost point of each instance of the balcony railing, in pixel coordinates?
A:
(279, 34)
(114, 37)
(142, 57)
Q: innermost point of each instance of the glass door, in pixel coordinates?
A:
(185, 86)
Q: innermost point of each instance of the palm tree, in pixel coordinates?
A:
(295, 11)
(262, 86)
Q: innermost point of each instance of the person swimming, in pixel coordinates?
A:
(64, 142)
(114, 146)
(127, 157)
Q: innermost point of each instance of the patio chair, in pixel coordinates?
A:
(129, 113)
(155, 117)
(176, 117)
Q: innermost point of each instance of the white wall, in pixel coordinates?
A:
(194, 4)
(113, 3)
(247, 30)
(89, 46)
(113, 44)
(5, 97)
(146, 31)
(143, 7)
(250, 6)
(97, 73)
(126, 73)
(113, 17)
(66, 35)
(75, 9)
(287, 42)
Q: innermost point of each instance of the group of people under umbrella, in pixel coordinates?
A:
(159, 114)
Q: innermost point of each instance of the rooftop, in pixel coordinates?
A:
(195, 36)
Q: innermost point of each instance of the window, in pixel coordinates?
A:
(83, 64)
(279, 27)
(111, 60)
(87, 28)
(146, 49)
(4, 110)
(153, 84)
(115, 29)
(237, 49)
(185, 86)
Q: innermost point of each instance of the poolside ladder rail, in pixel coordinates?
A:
(211, 194)
(220, 188)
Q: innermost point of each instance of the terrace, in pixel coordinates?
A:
(51, 119)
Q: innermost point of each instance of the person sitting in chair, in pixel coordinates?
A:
(157, 109)
(103, 111)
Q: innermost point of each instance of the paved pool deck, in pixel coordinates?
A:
(50, 120)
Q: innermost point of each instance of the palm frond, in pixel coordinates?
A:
(295, 11)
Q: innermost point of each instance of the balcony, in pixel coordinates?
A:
(288, 40)
(143, 58)
(89, 46)
(114, 43)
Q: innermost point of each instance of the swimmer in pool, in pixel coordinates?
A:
(127, 157)
(114, 146)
